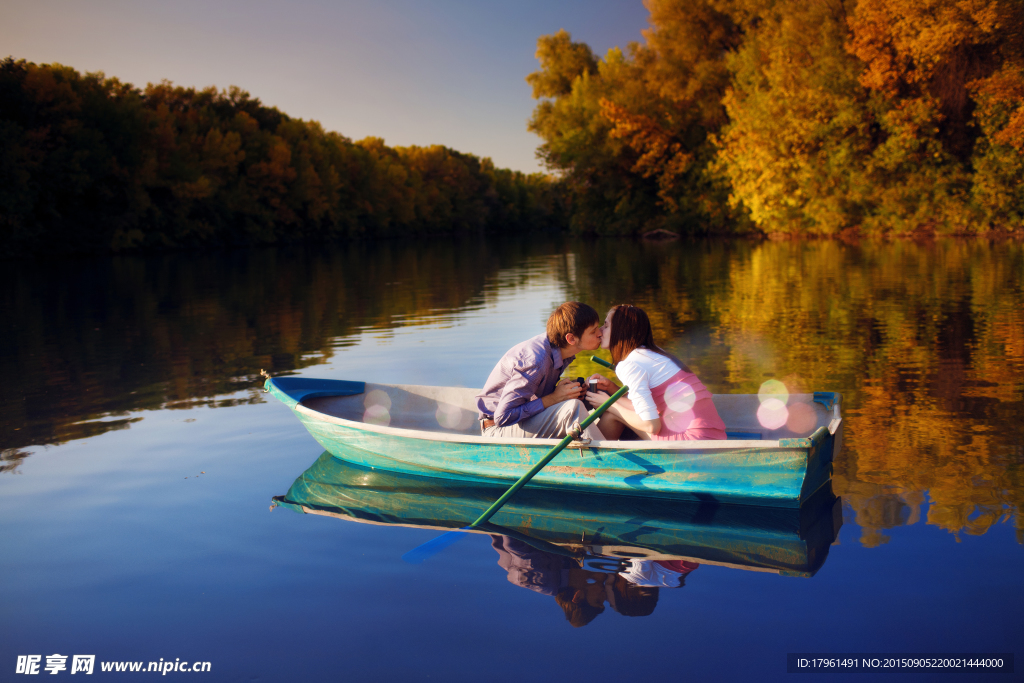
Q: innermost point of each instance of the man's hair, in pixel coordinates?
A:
(572, 317)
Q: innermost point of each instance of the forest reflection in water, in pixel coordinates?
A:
(924, 340)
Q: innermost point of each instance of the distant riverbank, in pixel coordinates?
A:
(93, 165)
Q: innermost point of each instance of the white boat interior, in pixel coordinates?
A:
(453, 410)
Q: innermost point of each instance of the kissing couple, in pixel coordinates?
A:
(526, 396)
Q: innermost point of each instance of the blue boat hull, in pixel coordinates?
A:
(781, 473)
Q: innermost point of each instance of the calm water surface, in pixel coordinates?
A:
(140, 458)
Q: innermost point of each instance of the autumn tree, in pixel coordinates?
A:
(606, 196)
(802, 117)
(800, 123)
(678, 76)
(629, 132)
(864, 114)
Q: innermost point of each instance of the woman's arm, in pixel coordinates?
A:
(640, 412)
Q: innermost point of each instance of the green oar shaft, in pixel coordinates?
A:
(547, 458)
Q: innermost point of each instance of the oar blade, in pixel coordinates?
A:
(435, 545)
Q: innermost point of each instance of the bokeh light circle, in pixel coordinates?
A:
(677, 421)
(773, 389)
(772, 413)
(377, 415)
(377, 397)
(452, 417)
(802, 418)
(680, 397)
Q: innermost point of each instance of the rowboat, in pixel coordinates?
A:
(595, 529)
(433, 431)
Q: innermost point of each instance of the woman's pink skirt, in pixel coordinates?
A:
(686, 410)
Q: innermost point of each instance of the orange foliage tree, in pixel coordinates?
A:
(800, 117)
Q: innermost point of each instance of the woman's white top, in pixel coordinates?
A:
(641, 371)
(650, 573)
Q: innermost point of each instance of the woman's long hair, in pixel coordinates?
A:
(631, 330)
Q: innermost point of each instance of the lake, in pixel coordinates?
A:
(141, 458)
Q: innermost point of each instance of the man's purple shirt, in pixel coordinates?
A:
(527, 372)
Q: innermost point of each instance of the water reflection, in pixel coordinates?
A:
(924, 340)
(645, 542)
(85, 342)
(581, 592)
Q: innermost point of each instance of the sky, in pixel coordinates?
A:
(413, 72)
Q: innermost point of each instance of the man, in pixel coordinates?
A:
(523, 396)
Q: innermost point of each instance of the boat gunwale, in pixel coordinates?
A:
(451, 437)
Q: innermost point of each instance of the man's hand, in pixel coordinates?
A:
(565, 389)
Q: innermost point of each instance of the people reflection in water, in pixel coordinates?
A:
(582, 593)
(658, 573)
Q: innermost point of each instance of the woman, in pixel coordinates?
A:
(665, 400)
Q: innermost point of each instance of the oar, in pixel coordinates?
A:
(418, 554)
(547, 458)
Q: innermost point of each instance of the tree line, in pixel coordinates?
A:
(801, 117)
(808, 117)
(91, 164)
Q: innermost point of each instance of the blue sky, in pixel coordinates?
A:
(420, 72)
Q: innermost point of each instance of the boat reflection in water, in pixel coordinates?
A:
(585, 550)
